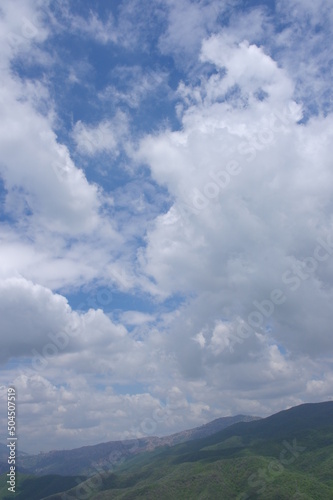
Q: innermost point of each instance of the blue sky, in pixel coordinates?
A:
(166, 213)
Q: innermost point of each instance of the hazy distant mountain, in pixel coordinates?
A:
(88, 459)
(207, 429)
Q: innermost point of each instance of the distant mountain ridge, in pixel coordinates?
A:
(103, 456)
(206, 429)
(286, 456)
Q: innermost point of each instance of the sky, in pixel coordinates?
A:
(166, 214)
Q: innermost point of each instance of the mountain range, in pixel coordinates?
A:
(87, 459)
(287, 456)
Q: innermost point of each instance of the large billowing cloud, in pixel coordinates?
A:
(250, 230)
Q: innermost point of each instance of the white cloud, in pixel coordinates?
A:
(136, 85)
(22, 26)
(250, 187)
(307, 58)
(47, 196)
(51, 199)
(37, 168)
(29, 314)
(37, 171)
(136, 318)
(247, 66)
(103, 31)
(200, 338)
(188, 23)
(104, 137)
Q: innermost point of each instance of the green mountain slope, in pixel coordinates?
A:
(35, 488)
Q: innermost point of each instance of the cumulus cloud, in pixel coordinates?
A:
(47, 196)
(39, 171)
(38, 174)
(30, 313)
(250, 185)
